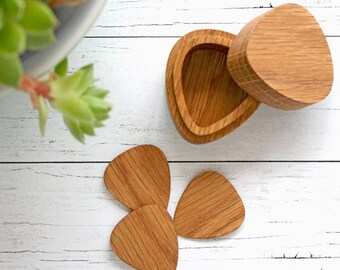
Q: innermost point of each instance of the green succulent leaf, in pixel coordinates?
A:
(101, 116)
(66, 85)
(42, 107)
(98, 124)
(13, 38)
(1, 17)
(61, 68)
(29, 25)
(75, 129)
(38, 17)
(87, 128)
(86, 80)
(96, 92)
(10, 70)
(74, 108)
(13, 8)
(83, 106)
(40, 40)
(97, 105)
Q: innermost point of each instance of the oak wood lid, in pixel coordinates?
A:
(282, 58)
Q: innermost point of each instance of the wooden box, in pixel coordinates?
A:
(216, 80)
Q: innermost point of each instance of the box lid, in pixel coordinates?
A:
(282, 58)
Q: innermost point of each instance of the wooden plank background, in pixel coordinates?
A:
(55, 211)
(61, 215)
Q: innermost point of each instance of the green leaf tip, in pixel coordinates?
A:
(74, 108)
(13, 9)
(10, 70)
(97, 92)
(87, 128)
(66, 85)
(24, 25)
(13, 38)
(82, 105)
(38, 17)
(62, 68)
(75, 129)
(29, 25)
(42, 107)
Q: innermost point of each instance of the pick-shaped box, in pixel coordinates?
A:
(204, 100)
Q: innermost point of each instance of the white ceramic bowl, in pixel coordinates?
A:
(74, 23)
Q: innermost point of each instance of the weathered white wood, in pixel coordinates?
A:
(60, 216)
(175, 18)
(134, 71)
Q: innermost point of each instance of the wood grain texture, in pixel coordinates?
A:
(207, 96)
(209, 207)
(282, 58)
(60, 216)
(139, 176)
(309, 134)
(146, 239)
(204, 105)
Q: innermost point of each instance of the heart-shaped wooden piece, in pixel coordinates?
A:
(139, 176)
(209, 207)
(204, 100)
(282, 58)
(146, 239)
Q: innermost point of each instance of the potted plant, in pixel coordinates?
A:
(35, 37)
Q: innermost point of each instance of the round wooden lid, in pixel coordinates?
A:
(282, 58)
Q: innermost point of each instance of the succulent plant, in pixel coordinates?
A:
(28, 25)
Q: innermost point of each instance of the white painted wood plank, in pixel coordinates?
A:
(175, 18)
(60, 216)
(134, 71)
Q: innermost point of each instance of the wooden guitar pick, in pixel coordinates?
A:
(146, 239)
(139, 176)
(209, 207)
(282, 58)
(204, 100)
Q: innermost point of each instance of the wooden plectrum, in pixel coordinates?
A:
(139, 177)
(282, 58)
(209, 207)
(204, 100)
(146, 239)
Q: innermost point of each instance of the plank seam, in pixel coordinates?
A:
(172, 161)
(165, 37)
